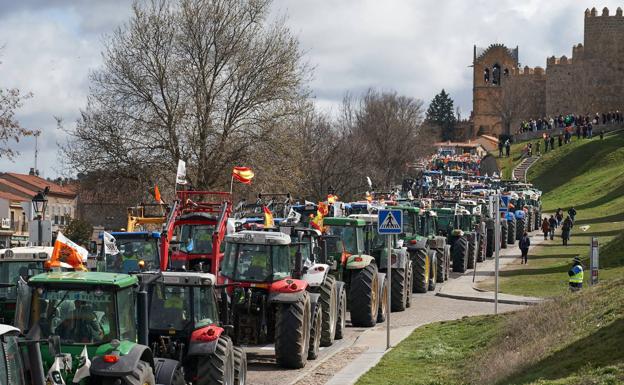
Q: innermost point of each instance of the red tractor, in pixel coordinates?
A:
(195, 230)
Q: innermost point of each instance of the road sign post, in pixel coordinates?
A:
(389, 223)
(594, 256)
(497, 242)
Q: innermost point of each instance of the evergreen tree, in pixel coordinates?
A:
(441, 113)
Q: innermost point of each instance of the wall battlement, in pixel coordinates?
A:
(528, 71)
(593, 13)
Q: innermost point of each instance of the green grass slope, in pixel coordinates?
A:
(589, 175)
(572, 339)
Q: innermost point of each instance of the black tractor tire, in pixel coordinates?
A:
(383, 300)
(419, 271)
(511, 232)
(489, 247)
(529, 220)
(292, 333)
(217, 368)
(440, 269)
(341, 316)
(472, 249)
(460, 254)
(315, 332)
(240, 366)
(433, 274)
(141, 375)
(520, 228)
(538, 218)
(504, 231)
(329, 306)
(408, 285)
(364, 296)
(399, 289)
(481, 253)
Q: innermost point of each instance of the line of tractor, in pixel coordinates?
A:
(181, 295)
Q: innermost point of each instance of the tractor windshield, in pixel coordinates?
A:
(196, 239)
(178, 307)
(256, 262)
(10, 271)
(131, 252)
(353, 242)
(83, 317)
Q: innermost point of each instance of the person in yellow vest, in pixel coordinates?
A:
(576, 275)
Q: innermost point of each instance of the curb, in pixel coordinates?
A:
(481, 299)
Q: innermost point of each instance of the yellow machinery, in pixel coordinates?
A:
(145, 217)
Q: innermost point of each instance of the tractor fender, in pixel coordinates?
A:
(125, 365)
(165, 370)
(204, 340)
(315, 275)
(420, 244)
(359, 261)
(287, 290)
(520, 214)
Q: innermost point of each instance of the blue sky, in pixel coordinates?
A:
(416, 47)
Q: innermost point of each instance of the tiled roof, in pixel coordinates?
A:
(27, 193)
(12, 197)
(38, 183)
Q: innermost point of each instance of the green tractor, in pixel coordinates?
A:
(20, 358)
(96, 312)
(344, 251)
(16, 263)
(401, 278)
(459, 227)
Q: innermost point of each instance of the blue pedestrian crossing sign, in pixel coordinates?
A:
(390, 222)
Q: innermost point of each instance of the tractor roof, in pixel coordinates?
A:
(26, 253)
(341, 221)
(410, 209)
(84, 278)
(6, 329)
(368, 218)
(259, 237)
(132, 234)
(187, 278)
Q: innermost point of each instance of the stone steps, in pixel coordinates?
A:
(520, 172)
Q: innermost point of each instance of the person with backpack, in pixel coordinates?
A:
(525, 243)
(545, 228)
(552, 225)
(565, 230)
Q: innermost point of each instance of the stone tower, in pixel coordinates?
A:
(492, 67)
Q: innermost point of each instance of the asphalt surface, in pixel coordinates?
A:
(426, 308)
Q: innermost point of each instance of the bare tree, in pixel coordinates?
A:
(11, 100)
(511, 103)
(200, 80)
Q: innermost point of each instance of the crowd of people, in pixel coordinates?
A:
(563, 121)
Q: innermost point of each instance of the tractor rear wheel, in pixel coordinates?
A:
(217, 368)
(364, 296)
(141, 375)
(328, 303)
(383, 300)
(511, 231)
(504, 231)
(520, 228)
(240, 366)
(399, 289)
(441, 261)
(408, 284)
(460, 254)
(489, 247)
(341, 316)
(419, 271)
(292, 333)
(315, 332)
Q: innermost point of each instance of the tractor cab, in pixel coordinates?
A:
(136, 251)
(16, 263)
(344, 237)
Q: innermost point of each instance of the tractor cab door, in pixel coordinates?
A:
(22, 308)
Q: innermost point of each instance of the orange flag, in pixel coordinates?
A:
(243, 174)
(68, 252)
(331, 198)
(157, 194)
(268, 218)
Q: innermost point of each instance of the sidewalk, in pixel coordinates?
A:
(461, 286)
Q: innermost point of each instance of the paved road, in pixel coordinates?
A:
(426, 308)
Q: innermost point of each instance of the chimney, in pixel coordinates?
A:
(32, 171)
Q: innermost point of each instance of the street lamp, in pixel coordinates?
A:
(39, 204)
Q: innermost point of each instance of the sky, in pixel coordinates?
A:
(415, 47)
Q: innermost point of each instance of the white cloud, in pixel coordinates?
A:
(414, 47)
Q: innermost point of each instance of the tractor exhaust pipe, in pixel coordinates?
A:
(142, 313)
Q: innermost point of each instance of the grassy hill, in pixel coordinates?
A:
(588, 175)
(573, 339)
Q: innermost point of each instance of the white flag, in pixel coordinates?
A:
(54, 374)
(110, 248)
(84, 364)
(293, 216)
(81, 251)
(181, 175)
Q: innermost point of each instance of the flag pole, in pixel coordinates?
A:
(231, 184)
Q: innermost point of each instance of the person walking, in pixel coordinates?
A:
(575, 275)
(537, 148)
(572, 214)
(525, 243)
(552, 143)
(507, 147)
(559, 216)
(565, 230)
(552, 225)
(500, 148)
(545, 228)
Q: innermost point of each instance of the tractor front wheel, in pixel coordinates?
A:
(328, 303)
(240, 366)
(420, 273)
(315, 332)
(399, 289)
(218, 368)
(292, 333)
(460, 255)
(364, 296)
(341, 316)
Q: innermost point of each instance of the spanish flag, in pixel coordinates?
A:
(331, 199)
(317, 220)
(68, 252)
(268, 218)
(243, 174)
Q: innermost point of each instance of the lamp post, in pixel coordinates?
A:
(39, 204)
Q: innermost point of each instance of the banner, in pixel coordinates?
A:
(181, 174)
(84, 364)
(68, 252)
(110, 247)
